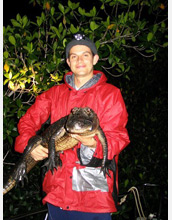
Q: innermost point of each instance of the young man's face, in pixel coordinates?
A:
(81, 60)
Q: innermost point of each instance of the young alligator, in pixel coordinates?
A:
(57, 138)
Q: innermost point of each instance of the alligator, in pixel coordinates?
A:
(57, 138)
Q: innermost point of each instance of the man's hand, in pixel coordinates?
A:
(86, 140)
(39, 153)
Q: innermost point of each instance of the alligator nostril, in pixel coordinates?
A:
(78, 125)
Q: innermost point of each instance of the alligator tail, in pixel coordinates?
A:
(9, 185)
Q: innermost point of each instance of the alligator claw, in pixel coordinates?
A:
(53, 162)
(50, 165)
(105, 171)
(21, 173)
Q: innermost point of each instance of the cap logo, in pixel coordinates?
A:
(79, 36)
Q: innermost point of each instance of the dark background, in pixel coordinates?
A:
(12, 8)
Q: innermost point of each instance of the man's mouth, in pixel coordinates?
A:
(80, 66)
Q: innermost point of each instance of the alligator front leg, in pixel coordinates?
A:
(104, 143)
(54, 158)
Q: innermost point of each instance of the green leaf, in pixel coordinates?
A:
(133, 39)
(149, 36)
(16, 76)
(55, 45)
(81, 11)
(97, 44)
(108, 20)
(93, 25)
(64, 42)
(163, 25)
(39, 21)
(66, 10)
(43, 16)
(126, 17)
(102, 7)
(16, 61)
(126, 182)
(12, 40)
(155, 28)
(52, 11)
(55, 30)
(132, 14)
(73, 29)
(7, 75)
(121, 66)
(165, 44)
(25, 20)
(93, 11)
(15, 23)
(73, 6)
(123, 2)
(18, 17)
(70, 4)
(61, 8)
(5, 82)
(6, 54)
(60, 27)
(142, 25)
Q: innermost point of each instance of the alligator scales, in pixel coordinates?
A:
(57, 138)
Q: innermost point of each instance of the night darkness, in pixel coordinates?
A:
(12, 8)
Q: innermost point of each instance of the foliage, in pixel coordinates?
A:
(34, 50)
(131, 37)
(145, 160)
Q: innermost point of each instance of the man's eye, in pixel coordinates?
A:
(73, 57)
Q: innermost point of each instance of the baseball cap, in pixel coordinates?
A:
(80, 39)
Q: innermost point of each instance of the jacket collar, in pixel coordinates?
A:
(97, 78)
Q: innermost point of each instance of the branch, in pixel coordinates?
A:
(137, 49)
(112, 40)
(6, 155)
(105, 68)
(21, 57)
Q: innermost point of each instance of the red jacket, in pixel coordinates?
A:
(106, 100)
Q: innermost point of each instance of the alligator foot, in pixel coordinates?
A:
(50, 165)
(53, 162)
(105, 171)
(20, 173)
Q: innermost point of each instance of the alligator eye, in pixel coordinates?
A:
(88, 110)
(74, 110)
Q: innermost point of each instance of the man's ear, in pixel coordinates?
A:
(68, 62)
(95, 59)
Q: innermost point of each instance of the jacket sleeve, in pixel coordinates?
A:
(113, 120)
(31, 122)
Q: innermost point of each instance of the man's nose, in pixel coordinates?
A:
(80, 58)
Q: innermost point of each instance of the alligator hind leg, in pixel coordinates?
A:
(27, 162)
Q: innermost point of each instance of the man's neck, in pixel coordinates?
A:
(80, 81)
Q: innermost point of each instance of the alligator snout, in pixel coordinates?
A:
(79, 126)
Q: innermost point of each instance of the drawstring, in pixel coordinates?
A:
(135, 192)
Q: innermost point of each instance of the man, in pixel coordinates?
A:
(76, 190)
